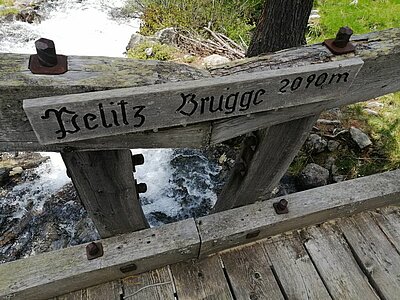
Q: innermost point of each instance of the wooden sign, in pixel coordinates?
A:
(75, 117)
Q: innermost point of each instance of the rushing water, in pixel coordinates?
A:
(181, 183)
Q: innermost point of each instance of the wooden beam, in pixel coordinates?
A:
(264, 167)
(58, 272)
(83, 116)
(379, 51)
(246, 224)
(106, 186)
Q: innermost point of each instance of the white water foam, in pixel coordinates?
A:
(76, 27)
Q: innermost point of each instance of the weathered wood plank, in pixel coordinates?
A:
(388, 220)
(87, 74)
(277, 146)
(230, 228)
(89, 115)
(294, 268)
(155, 285)
(379, 51)
(202, 279)
(58, 272)
(106, 186)
(250, 274)
(107, 291)
(377, 257)
(336, 264)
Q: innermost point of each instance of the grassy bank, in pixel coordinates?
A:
(8, 8)
(363, 17)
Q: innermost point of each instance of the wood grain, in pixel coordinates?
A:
(388, 220)
(378, 258)
(249, 273)
(58, 272)
(379, 51)
(336, 265)
(202, 279)
(106, 186)
(294, 268)
(277, 146)
(108, 291)
(155, 285)
(231, 228)
(89, 115)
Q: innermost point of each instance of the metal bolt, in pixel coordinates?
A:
(46, 52)
(343, 37)
(281, 207)
(141, 188)
(94, 250)
(137, 159)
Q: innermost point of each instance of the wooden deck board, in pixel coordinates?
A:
(327, 261)
(376, 255)
(294, 268)
(202, 279)
(250, 274)
(155, 285)
(388, 220)
(108, 291)
(336, 264)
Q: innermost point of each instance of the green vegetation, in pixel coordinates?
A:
(366, 16)
(156, 51)
(384, 130)
(8, 10)
(234, 18)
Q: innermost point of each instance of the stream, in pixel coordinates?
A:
(40, 211)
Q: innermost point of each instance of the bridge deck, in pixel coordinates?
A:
(349, 258)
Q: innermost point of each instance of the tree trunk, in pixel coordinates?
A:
(282, 25)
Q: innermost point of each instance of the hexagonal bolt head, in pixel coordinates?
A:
(141, 188)
(343, 37)
(46, 52)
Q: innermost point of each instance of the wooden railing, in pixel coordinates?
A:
(99, 165)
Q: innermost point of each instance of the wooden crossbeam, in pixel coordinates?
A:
(379, 76)
(58, 272)
(89, 115)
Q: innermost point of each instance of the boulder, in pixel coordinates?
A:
(333, 145)
(362, 140)
(215, 60)
(316, 144)
(137, 39)
(4, 174)
(313, 176)
(167, 36)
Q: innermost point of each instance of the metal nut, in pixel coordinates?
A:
(281, 207)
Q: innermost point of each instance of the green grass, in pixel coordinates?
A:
(366, 16)
(8, 10)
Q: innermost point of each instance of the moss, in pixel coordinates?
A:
(155, 51)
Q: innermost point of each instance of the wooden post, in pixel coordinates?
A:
(259, 171)
(106, 186)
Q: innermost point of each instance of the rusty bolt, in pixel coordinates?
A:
(343, 37)
(46, 52)
(341, 44)
(137, 159)
(281, 207)
(141, 188)
(94, 250)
